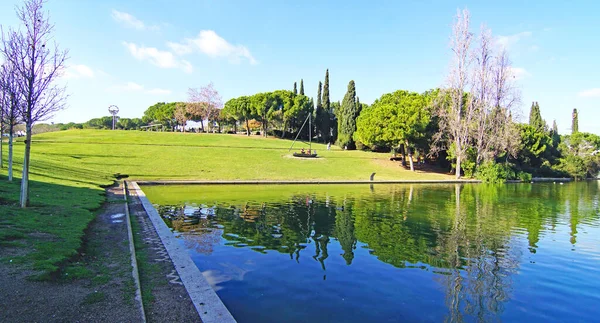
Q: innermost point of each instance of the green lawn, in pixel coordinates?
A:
(96, 155)
(69, 168)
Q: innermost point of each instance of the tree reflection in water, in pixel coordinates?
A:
(463, 234)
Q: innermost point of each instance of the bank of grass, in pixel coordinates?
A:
(69, 169)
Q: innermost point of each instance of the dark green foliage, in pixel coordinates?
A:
(301, 87)
(394, 119)
(535, 155)
(295, 89)
(524, 176)
(347, 118)
(575, 122)
(321, 118)
(535, 117)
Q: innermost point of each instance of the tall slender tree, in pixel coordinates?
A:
(347, 118)
(327, 121)
(301, 87)
(11, 101)
(38, 65)
(295, 89)
(319, 115)
(575, 122)
(535, 117)
(454, 111)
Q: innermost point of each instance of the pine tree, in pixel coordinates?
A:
(328, 114)
(535, 117)
(295, 89)
(301, 87)
(575, 123)
(347, 118)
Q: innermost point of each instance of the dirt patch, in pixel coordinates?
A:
(97, 287)
(165, 298)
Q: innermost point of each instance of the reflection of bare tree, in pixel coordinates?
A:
(481, 260)
(202, 241)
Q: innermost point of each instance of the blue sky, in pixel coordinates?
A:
(136, 53)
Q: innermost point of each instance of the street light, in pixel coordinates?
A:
(113, 109)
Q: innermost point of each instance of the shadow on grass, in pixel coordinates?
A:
(51, 230)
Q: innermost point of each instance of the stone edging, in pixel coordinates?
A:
(209, 306)
(134, 270)
(187, 182)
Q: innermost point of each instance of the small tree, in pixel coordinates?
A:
(181, 115)
(347, 118)
(11, 101)
(204, 104)
(37, 67)
(301, 87)
(575, 122)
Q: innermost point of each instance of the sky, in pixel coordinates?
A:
(135, 53)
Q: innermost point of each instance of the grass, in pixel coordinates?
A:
(69, 168)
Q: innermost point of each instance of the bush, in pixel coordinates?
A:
(491, 172)
(524, 176)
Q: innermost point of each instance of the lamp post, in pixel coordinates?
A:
(113, 109)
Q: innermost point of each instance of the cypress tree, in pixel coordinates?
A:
(295, 89)
(575, 122)
(554, 134)
(319, 114)
(535, 117)
(327, 115)
(301, 87)
(347, 118)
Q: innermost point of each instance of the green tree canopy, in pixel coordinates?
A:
(347, 118)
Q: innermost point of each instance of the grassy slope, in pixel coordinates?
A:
(69, 168)
(151, 155)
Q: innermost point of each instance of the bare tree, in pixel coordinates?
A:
(481, 92)
(10, 106)
(37, 67)
(205, 104)
(454, 107)
(181, 115)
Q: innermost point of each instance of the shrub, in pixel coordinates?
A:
(524, 176)
(491, 172)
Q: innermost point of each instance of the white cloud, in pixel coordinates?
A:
(213, 45)
(133, 87)
(162, 59)
(591, 93)
(131, 21)
(77, 72)
(507, 42)
(519, 73)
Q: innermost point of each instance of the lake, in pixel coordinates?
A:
(389, 253)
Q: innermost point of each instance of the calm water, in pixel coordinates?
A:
(393, 253)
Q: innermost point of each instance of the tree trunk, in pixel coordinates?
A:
(201, 125)
(247, 127)
(24, 200)
(458, 166)
(235, 127)
(265, 128)
(403, 155)
(10, 153)
(410, 156)
(283, 129)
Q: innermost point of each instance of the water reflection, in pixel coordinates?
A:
(468, 237)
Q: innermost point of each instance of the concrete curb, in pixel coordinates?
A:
(193, 182)
(134, 269)
(209, 306)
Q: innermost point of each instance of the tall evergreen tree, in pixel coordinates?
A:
(319, 114)
(535, 117)
(301, 87)
(554, 134)
(295, 89)
(575, 122)
(347, 118)
(358, 108)
(328, 113)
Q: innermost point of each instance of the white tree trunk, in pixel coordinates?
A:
(24, 199)
(10, 154)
